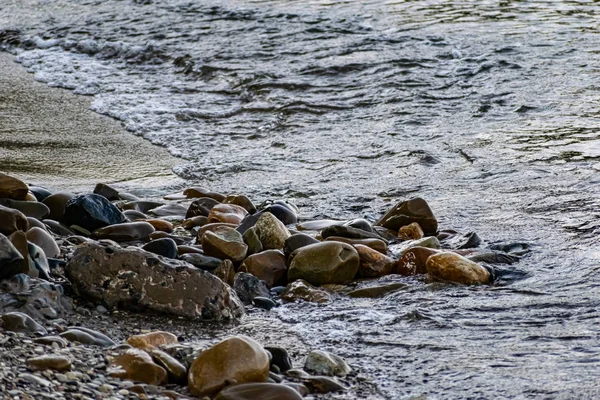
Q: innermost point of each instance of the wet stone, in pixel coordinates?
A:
(348, 232)
(411, 232)
(125, 232)
(268, 266)
(248, 286)
(377, 291)
(302, 290)
(12, 188)
(225, 272)
(169, 210)
(39, 192)
(92, 211)
(406, 212)
(361, 224)
(12, 261)
(323, 384)
(297, 241)
(161, 225)
(134, 215)
(57, 203)
(141, 205)
(285, 213)
(176, 372)
(136, 365)
(28, 208)
(12, 220)
(227, 213)
(324, 363)
(414, 261)
(264, 303)
(87, 336)
(224, 243)
(262, 391)
(373, 264)
(152, 339)
(201, 261)
(376, 244)
(20, 322)
(241, 201)
(41, 238)
(165, 247)
(106, 191)
(280, 358)
(201, 207)
(322, 263)
(253, 241)
(197, 192)
(451, 267)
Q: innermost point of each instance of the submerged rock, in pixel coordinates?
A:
(133, 278)
(322, 263)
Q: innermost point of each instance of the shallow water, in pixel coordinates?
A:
(487, 109)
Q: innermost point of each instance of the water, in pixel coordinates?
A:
(488, 109)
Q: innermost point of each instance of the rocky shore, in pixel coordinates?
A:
(70, 260)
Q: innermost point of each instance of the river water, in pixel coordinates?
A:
(487, 109)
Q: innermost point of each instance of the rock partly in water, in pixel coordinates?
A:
(91, 212)
(248, 286)
(414, 261)
(406, 212)
(268, 266)
(373, 264)
(280, 358)
(451, 267)
(323, 263)
(133, 278)
(136, 365)
(348, 232)
(324, 363)
(376, 291)
(302, 290)
(411, 232)
(107, 191)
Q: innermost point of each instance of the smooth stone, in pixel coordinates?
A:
(141, 205)
(176, 372)
(152, 340)
(296, 241)
(323, 384)
(302, 290)
(227, 213)
(324, 363)
(210, 228)
(58, 228)
(319, 224)
(201, 207)
(125, 232)
(136, 365)
(185, 249)
(459, 241)
(414, 261)
(128, 197)
(91, 212)
(361, 224)
(34, 222)
(197, 221)
(238, 358)
(100, 272)
(164, 235)
(298, 387)
(297, 373)
(248, 287)
(280, 358)
(271, 231)
(12, 188)
(40, 261)
(411, 231)
(406, 212)
(27, 266)
(197, 192)
(373, 264)
(285, 213)
(169, 210)
(264, 303)
(57, 203)
(225, 243)
(165, 247)
(248, 222)
(376, 244)
(28, 208)
(225, 272)
(49, 361)
(451, 267)
(39, 192)
(268, 266)
(431, 242)
(161, 225)
(106, 191)
(12, 261)
(34, 380)
(100, 339)
(253, 241)
(20, 322)
(255, 391)
(134, 215)
(241, 201)
(43, 239)
(202, 261)
(377, 291)
(51, 341)
(492, 257)
(348, 232)
(12, 220)
(322, 263)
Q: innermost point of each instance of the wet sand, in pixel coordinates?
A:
(50, 137)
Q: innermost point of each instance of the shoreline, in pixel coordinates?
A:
(50, 136)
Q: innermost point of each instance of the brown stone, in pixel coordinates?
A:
(224, 243)
(197, 192)
(136, 365)
(50, 361)
(407, 212)
(198, 220)
(256, 391)
(12, 188)
(184, 249)
(376, 244)
(319, 224)
(238, 358)
(241, 201)
(125, 232)
(176, 372)
(302, 290)
(373, 264)
(268, 266)
(227, 213)
(413, 261)
(12, 220)
(411, 232)
(225, 272)
(271, 232)
(161, 225)
(211, 228)
(326, 262)
(377, 291)
(451, 267)
(44, 240)
(152, 339)
(57, 203)
(24, 265)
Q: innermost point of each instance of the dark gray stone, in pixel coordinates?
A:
(248, 286)
(280, 357)
(165, 247)
(107, 191)
(202, 261)
(348, 232)
(11, 261)
(91, 212)
(296, 241)
(201, 207)
(32, 209)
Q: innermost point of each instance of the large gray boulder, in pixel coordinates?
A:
(136, 279)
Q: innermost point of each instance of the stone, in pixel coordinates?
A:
(451, 267)
(302, 290)
(28, 208)
(376, 291)
(360, 223)
(225, 243)
(406, 212)
(169, 210)
(271, 231)
(397, 250)
(197, 192)
(414, 261)
(58, 228)
(319, 224)
(165, 247)
(238, 358)
(262, 391)
(459, 241)
(249, 222)
(263, 302)
(298, 387)
(285, 213)
(248, 286)
(268, 266)
(322, 263)
(202, 261)
(280, 358)
(252, 241)
(141, 205)
(51, 341)
(201, 207)
(20, 322)
(297, 241)
(241, 201)
(227, 213)
(12, 261)
(376, 244)
(136, 365)
(373, 264)
(34, 222)
(40, 193)
(12, 220)
(348, 232)
(12, 188)
(179, 240)
(411, 232)
(161, 225)
(125, 232)
(197, 221)
(176, 372)
(210, 228)
(57, 203)
(43, 239)
(40, 261)
(324, 363)
(323, 384)
(152, 340)
(106, 191)
(49, 361)
(191, 249)
(135, 279)
(91, 212)
(225, 272)
(133, 216)
(35, 380)
(99, 339)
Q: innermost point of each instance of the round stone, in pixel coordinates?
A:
(262, 391)
(224, 243)
(451, 267)
(125, 232)
(57, 203)
(323, 263)
(43, 239)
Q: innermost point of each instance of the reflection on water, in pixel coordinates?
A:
(488, 109)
